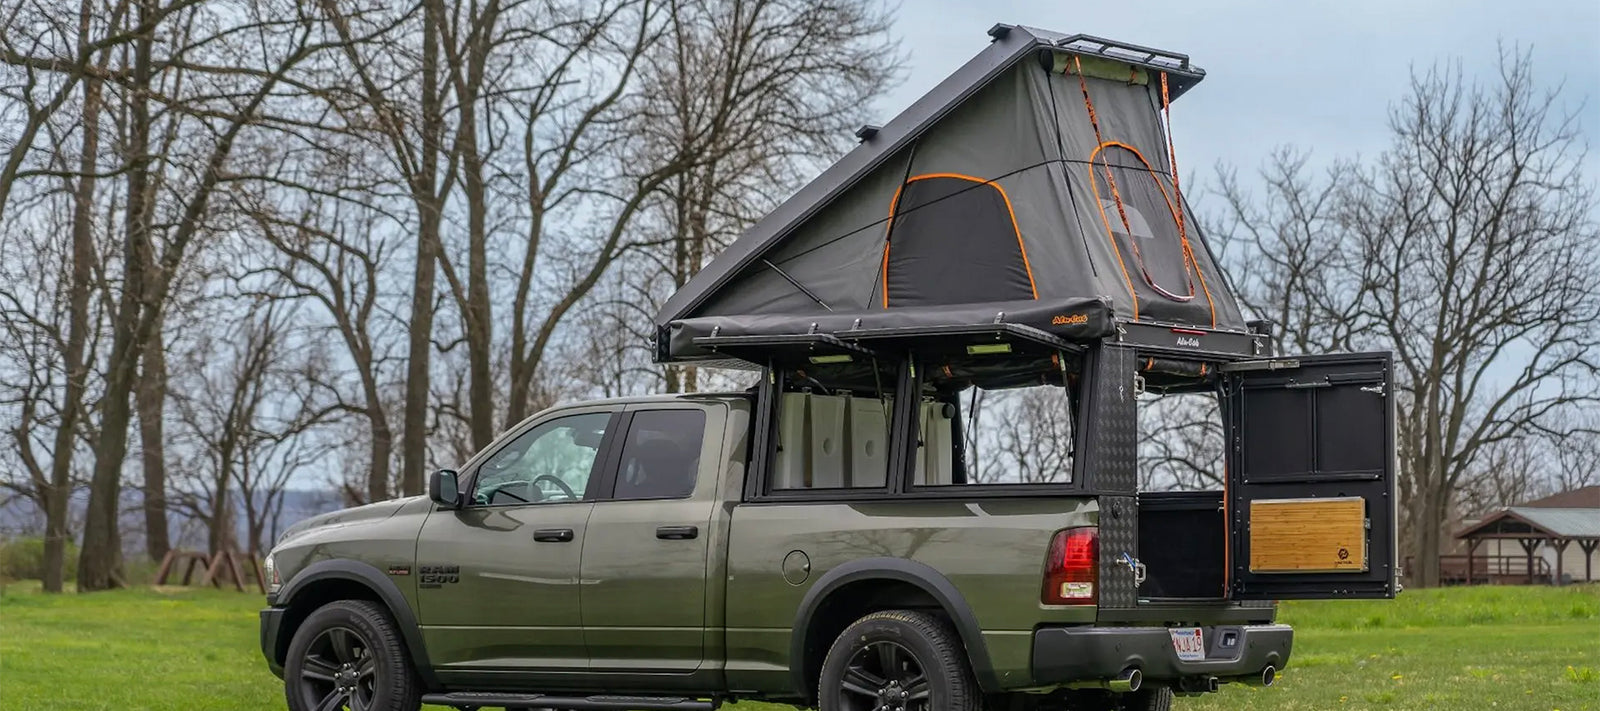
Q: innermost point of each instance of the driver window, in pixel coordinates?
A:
(550, 463)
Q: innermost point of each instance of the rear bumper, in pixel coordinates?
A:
(1070, 654)
(271, 622)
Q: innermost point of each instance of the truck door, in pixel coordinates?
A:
(1311, 469)
(645, 561)
(497, 579)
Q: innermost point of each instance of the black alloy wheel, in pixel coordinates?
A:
(349, 656)
(884, 676)
(897, 660)
(338, 671)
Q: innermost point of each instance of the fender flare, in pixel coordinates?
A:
(904, 570)
(388, 593)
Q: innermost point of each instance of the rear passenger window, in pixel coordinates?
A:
(661, 455)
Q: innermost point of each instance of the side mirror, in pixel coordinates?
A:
(444, 490)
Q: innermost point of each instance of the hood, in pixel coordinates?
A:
(369, 512)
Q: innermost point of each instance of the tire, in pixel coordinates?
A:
(349, 655)
(1150, 698)
(897, 660)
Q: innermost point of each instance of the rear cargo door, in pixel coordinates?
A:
(1311, 470)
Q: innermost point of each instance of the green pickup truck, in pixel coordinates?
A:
(937, 496)
(651, 553)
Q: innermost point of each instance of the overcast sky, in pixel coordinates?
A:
(1313, 73)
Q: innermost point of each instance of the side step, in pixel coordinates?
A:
(586, 703)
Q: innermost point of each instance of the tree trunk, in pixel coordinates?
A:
(382, 450)
(1427, 529)
(100, 560)
(220, 537)
(151, 397)
(414, 446)
(480, 377)
(83, 257)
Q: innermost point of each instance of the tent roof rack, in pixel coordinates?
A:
(1139, 55)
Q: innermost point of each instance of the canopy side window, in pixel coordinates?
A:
(953, 239)
(997, 421)
(831, 440)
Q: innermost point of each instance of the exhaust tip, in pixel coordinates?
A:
(1128, 681)
(1269, 675)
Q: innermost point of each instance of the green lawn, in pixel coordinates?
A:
(1533, 649)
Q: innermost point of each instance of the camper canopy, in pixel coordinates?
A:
(1033, 191)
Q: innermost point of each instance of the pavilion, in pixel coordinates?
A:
(1553, 523)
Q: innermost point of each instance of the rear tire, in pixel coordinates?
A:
(349, 655)
(1150, 698)
(897, 660)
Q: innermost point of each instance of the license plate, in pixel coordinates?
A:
(1189, 643)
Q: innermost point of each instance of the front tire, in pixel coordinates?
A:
(349, 655)
(897, 660)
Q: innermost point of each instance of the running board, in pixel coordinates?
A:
(585, 703)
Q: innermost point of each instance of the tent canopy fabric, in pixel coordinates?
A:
(1035, 186)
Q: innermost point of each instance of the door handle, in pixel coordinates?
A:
(677, 533)
(553, 535)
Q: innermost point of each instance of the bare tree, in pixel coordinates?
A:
(1575, 463)
(763, 94)
(404, 101)
(1286, 268)
(1474, 227)
(174, 167)
(249, 409)
(1461, 248)
(284, 40)
(339, 268)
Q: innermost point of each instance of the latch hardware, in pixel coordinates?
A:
(1139, 571)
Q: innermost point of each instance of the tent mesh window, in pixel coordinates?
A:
(953, 239)
(1138, 210)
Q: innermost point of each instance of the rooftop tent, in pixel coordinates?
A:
(1033, 187)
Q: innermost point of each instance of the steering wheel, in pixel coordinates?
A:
(559, 484)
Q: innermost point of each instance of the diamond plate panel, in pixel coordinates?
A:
(1112, 450)
(1119, 534)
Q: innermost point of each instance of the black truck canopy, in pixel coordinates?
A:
(1033, 188)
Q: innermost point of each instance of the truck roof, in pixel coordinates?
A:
(665, 397)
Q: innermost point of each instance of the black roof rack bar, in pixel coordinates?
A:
(1123, 51)
(811, 341)
(997, 330)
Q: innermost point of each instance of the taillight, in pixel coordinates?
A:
(1071, 572)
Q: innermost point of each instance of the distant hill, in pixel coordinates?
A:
(20, 517)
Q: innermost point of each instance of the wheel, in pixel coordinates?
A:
(1150, 698)
(898, 660)
(348, 655)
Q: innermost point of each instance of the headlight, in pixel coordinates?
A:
(269, 569)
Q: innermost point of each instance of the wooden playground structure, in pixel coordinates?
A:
(225, 568)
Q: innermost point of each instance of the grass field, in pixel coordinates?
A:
(1511, 649)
